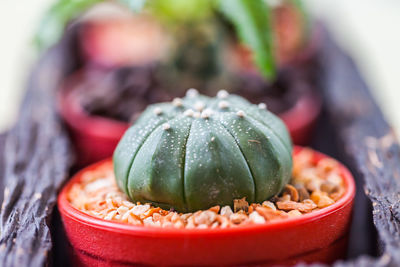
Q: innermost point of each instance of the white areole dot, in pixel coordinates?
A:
(262, 106)
(192, 92)
(188, 113)
(206, 113)
(223, 104)
(166, 126)
(177, 102)
(222, 94)
(240, 113)
(199, 106)
(157, 111)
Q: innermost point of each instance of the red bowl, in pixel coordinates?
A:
(96, 137)
(301, 119)
(242, 56)
(309, 52)
(317, 236)
(123, 41)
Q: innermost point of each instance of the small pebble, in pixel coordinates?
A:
(269, 204)
(255, 217)
(294, 213)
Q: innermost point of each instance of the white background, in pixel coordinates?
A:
(369, 29)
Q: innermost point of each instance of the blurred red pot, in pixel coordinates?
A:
(95, 137)
(112, 37)
(122, 39)
(302, 116)
(320, 236)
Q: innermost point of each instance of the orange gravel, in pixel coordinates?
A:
(313, 186)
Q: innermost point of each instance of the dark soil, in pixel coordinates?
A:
(122, 94)
(281, 95)
(119, 94)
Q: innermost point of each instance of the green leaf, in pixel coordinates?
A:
(251, 19)
(181, 11)
(56, 18)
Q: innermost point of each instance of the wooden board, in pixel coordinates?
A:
(370, 146)
(38, 158)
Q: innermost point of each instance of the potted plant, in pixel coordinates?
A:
(203, 52)
(208, 181)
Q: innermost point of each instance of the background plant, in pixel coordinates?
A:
(251, 20)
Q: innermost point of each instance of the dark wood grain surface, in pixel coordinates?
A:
(38, 157)
(2, 143)
(370, 146)
(36, 162)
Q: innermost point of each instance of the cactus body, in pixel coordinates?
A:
(198, 151)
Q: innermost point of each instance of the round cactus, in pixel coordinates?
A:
(197, 152)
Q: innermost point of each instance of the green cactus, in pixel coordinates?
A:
(198, 151)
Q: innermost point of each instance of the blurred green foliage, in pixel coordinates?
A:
(250, 18)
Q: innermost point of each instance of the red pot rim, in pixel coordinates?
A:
(303, 113)
(127, 229)
(79, 119)
(311, 47)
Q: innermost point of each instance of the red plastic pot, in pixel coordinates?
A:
(96, 137)
(319, 236)
(122, 41)
(302, 118)
(243, 58)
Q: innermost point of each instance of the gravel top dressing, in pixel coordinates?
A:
(313, 186)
